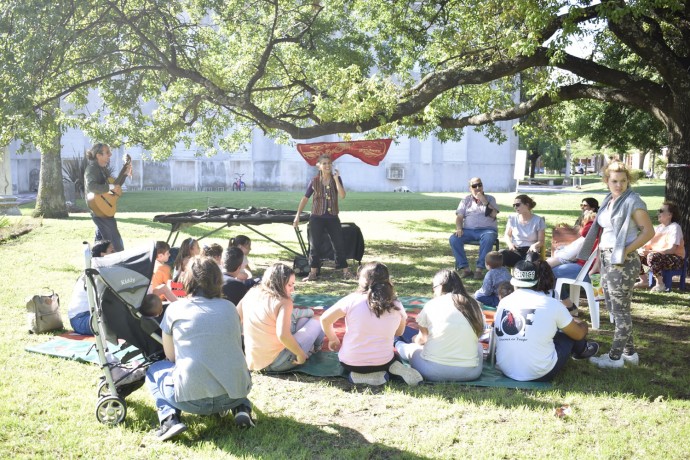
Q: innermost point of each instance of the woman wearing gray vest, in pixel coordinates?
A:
(622, 226)
(326, 187)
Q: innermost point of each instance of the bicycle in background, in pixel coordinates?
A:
(239, 184)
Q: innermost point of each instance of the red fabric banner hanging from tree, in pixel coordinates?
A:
(370, 152)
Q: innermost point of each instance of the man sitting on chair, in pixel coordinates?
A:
(475, 220)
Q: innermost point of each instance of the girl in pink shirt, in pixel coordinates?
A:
(373, 317)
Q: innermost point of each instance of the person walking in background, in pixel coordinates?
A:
(326, 187)
(525, 231)
(666, 249)
(622, 226)
(97, 182)
(475, 220)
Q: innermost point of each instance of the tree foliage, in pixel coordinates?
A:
(209, 71)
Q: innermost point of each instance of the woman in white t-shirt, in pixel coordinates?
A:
(525, 231)
(447, 347)
(666, 249)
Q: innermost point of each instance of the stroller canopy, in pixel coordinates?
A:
(128, 273)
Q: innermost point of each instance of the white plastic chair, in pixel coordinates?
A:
(575, 285)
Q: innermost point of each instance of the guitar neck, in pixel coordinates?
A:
(123, 175)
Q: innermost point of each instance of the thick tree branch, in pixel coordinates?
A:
(651, 47)
(566, 93)
(92, 81)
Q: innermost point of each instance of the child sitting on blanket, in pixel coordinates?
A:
(245, 244)
(215, 252)
(152, 306)
(297, 314)
(504, 290)
(373, 317)
(160, 282)
(495, 275)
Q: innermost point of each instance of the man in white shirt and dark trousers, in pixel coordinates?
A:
(535, 333)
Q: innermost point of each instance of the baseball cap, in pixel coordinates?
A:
(524, 274)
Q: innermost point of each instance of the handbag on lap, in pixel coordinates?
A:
(43, 312)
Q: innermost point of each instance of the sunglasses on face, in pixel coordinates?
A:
(661, 211)
(477, 185)
(517, 205)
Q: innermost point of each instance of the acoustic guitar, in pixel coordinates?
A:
(105, 204)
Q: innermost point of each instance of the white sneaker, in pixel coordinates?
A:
(371, 378)
(605, 362)
(633, 359)
(411, 376)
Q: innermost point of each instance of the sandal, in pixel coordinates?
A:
(658, 288)
(310, 277)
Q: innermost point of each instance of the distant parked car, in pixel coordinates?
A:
(402, 189)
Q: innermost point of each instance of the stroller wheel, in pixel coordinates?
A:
(111, 410)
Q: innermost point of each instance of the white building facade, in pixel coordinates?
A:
(420, 165)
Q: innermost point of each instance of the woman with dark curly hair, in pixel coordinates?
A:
(271, 341)
(373, 316)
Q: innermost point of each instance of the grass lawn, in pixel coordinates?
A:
(47, 404)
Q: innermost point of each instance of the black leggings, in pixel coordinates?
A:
(368, 369)
(510, 258)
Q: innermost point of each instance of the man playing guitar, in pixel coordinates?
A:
(97, 182)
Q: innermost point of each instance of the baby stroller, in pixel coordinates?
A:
(116, 286)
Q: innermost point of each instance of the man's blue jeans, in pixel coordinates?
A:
(486, 238)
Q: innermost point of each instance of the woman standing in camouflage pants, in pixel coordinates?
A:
(622, 225)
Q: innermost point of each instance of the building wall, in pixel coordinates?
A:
(428, 165)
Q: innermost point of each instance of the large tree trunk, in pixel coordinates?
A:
(678, 170)
(50, 202)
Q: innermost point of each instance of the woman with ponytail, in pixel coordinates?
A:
(447, 347)
(373, 317)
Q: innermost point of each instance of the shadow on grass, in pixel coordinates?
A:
(276, 437)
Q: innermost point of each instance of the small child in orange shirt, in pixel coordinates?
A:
(162, 275)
